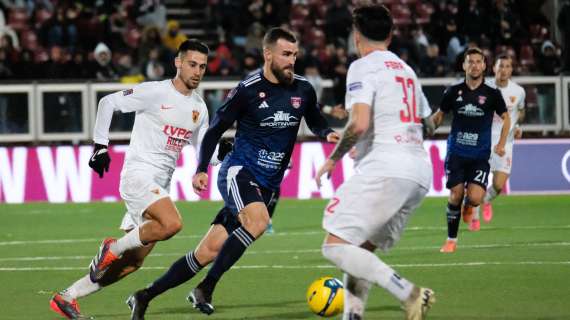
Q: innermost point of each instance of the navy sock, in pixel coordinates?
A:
(453, 213)
(180, 271)
(231, 251)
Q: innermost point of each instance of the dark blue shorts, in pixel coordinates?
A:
(461, 170)
(239, 188)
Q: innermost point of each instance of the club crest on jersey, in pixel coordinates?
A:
(262, 95)
(513, 99)
(195, 115)
(296, 102)
(127, 92)
(482, 99)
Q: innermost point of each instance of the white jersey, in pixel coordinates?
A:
(165, 122)
(514, 97)
(393, 144)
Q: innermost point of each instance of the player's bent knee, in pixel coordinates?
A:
(171, 228)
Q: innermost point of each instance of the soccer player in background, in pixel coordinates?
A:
(514, 96)
(473, 104)
(392, 170)
(268, 107)
(169, 115)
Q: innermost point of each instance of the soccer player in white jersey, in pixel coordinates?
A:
(169, 115)
(514, 96)
(392, 170)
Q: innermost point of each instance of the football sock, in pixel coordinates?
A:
(355, 295)
(476, 215)
(491, 194)
(231, 251)
(453, 213)
(80, 288)
(179, 272)
(127, 242)
(363, 264)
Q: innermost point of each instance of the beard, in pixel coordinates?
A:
(281, 76)
(190, 84)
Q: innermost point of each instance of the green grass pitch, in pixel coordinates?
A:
(517, 267)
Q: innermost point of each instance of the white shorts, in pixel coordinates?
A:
(374, 209)
(139, 189)
(504, 163)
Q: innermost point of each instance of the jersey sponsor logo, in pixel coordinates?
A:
(263, 105)
(471, 111)
(355, 86)
(460, 98)
(127, 92)
(482, 99)
(163, 107)
(280, 119)
(176, 132)
(270, 159)
(195, 116)
(467, 138)
(296, 102)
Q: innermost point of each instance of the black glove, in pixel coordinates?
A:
(100, 159)
(224, 147)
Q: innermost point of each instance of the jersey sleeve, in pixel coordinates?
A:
(446, 104)
(234, 106)
(359, 86)
(522, 101)
(134, 99)
(315, 120)
(500, 106)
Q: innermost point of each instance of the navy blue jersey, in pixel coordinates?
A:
(473, 112)
(268, 116)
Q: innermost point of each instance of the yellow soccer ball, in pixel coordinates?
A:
(325, 297)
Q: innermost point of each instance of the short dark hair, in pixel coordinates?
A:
(373, 21)
(474, 50)
(192, 45)
(504, 56)
(275, 34)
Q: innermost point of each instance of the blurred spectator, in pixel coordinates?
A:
(338, 72)
(473, 20)
(104, 69)
(172, 38)
(55, 67)
(153, 67)
(433, 65)
(564, 26)
(78, 66)
(6, 31)
(504, 23)
(5, 66)
(251, 63)
(254, 37)
(60, 29)
(223, 62)
(338, 21)
(151, 13)
(549, 60)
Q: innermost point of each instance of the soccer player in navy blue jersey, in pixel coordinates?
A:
(268, 107)
(473, 104)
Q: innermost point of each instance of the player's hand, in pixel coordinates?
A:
(327, 168)
(224, 147)
(499, 150)
(100, 159)
(200, 182)
(333, 137)
(339, 112)
(518, 133)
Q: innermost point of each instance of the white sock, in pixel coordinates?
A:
(477, 213)
(80, 288)
(363, 264)
(355, 295)
(129, 241)
(491, 194)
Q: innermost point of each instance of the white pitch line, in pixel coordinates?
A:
(412, 265)
(303, 251)
(278, 234)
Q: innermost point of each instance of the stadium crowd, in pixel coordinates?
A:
(107, 40)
